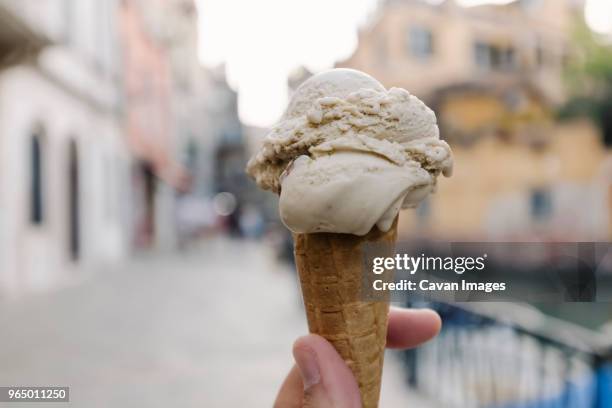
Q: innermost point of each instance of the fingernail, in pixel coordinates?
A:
(306, 360)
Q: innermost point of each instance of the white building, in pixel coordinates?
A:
(63, 162)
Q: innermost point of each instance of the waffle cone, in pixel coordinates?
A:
(331, 269)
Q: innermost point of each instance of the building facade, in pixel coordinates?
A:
(98, 101)
(200, 111)
(494, 76)
(148, 123)
(63, 158)
(425, 47)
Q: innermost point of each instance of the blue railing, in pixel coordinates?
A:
(510, 356)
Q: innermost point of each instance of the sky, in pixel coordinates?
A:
(261, 42)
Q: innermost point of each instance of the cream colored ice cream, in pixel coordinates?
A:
(348, 154)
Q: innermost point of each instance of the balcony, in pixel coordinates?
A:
(18, 42)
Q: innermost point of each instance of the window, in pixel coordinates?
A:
(36, 182)
(531, 5)
(482, 56)
(507, 59)
(493, 57)
(420, 42)
(541, 204)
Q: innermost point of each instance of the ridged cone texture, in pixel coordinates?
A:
(331, 268)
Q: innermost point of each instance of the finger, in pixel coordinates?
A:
(411, 327)
(291, 393)
(328, 382)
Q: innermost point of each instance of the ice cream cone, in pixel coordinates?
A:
(331, 271)
(345, 158)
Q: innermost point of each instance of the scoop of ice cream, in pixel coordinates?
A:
(348, 154)
(336, 83)
(347, 191)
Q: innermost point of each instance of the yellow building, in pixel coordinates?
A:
(423, 47)
(494, 76)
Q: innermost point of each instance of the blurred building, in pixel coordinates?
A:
(63, 158)
(150, 34)
(190, 141)
(231, 149)
(494, 76)
(488, 44)
(208, 129)
(102, 102)
(226, 132)
(194, 127)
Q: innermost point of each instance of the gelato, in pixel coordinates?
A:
(348, 154)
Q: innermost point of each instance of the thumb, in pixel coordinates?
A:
(328, 382)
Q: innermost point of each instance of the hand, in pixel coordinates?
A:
(321, 379)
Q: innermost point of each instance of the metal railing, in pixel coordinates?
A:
(505, 355)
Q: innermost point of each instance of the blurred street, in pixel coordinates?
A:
(186, 330)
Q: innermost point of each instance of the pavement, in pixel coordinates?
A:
(211, 326)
